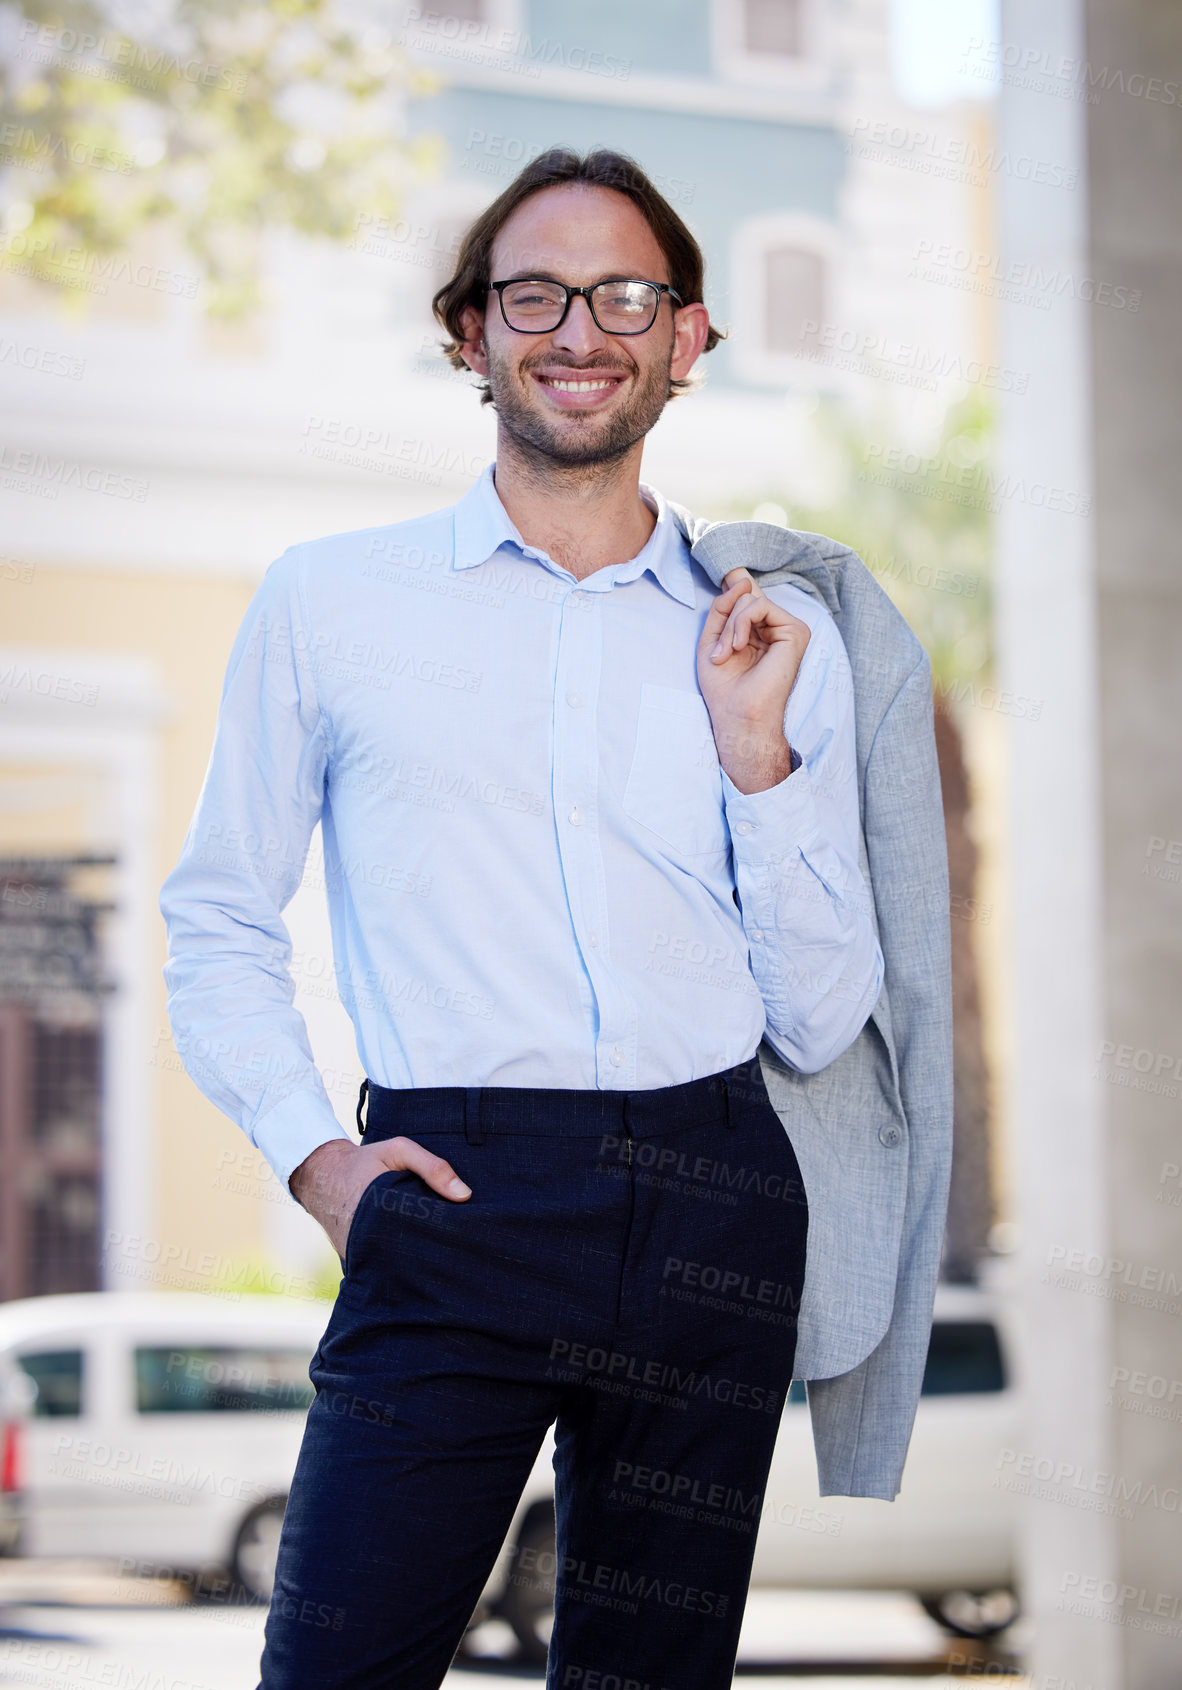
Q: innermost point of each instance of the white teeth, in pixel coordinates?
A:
(578, 386)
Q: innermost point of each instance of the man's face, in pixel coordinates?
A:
(577, 395)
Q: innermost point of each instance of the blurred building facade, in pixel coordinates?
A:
(152, 464)
(155, 462)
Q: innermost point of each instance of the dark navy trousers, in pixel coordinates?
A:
(629, 1269)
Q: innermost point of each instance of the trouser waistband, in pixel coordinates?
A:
(550, 1111)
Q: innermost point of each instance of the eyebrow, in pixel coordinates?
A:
(543, 276)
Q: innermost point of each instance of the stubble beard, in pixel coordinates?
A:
(593, 442)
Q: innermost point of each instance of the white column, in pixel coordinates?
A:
(1046, 632)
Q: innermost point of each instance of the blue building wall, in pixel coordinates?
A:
(663, 36)
(716, 170)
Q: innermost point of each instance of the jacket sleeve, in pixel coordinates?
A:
(230, 990)
(804, 904)
(862, 1420)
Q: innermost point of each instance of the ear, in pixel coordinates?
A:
(691, 325)
(472, 351)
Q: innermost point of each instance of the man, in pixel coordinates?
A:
(591, 832)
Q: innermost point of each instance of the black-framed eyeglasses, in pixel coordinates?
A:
(538, 305)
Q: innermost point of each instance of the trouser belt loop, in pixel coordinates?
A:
(472, 1128)
(726, 1102)
(361, 1097)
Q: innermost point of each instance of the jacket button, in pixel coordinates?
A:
(890, 1135)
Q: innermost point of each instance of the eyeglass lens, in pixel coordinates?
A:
(618, 307)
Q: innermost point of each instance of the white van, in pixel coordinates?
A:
(166, 1428)
(16, 1395)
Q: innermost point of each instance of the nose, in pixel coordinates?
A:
(579, 334)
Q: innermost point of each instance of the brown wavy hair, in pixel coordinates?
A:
(598, 169)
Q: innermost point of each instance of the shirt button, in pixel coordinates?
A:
(757, 935)
(593, 940)
(744, 827)
(576, 817)
(890, 1135)
(617, 1059)
(574, 699)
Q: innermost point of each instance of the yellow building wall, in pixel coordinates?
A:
(186, 626)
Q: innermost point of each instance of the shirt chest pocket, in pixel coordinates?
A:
(674, 785)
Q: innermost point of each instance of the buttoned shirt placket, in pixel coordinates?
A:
(575, 778)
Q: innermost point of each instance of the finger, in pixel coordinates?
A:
(751, 610)
(734, 577)
(772, 621)
(755, 613)
(720, 609)
(746, 608)
(434, 1170)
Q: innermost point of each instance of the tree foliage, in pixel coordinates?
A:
(921, 521)
(221, 119)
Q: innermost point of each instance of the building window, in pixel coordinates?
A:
(785, 269)
(50, 1079)
(794, 298)
(782, 44)
(772, 26)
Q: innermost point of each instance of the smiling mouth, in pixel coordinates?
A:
(576, 386)
(579, 384)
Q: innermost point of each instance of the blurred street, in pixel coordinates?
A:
(74, 1624)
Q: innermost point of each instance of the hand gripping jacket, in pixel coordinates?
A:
(873, 1130)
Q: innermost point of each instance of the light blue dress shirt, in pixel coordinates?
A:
(537, 873)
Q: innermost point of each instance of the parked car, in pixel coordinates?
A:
(16, 1397)
(164, 1427)
(165, 1431)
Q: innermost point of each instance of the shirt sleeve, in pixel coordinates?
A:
(805, 906)
(230, 990)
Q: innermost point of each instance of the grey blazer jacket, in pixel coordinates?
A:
(872, 1131)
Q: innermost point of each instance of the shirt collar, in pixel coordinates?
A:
(482, 524)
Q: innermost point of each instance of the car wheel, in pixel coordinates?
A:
(528, 1600)
(972, 1613)
(256, 1548)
